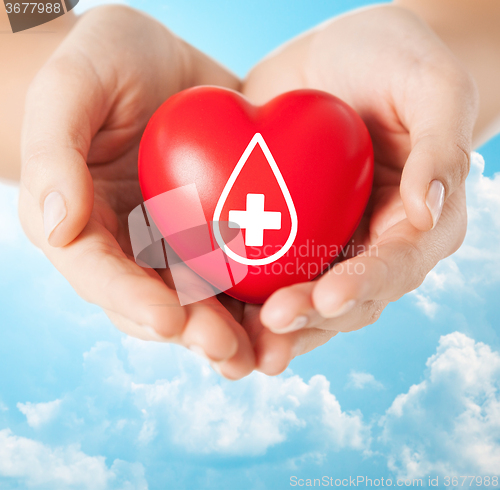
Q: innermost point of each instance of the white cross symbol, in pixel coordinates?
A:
(255, 220)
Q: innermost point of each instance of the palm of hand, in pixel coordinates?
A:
(117, 192)
(239, 337)
(379, 86)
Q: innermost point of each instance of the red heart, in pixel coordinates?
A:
(297, 173)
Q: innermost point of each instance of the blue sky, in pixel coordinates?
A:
(417, 394)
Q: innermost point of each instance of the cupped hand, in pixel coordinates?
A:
(420, 106)
(85, 113)
(88, 107)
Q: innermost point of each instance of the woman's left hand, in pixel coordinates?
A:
(420, 106)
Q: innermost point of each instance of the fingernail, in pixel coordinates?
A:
(344, 308)
(54, 211)
(435, 200)
(199, 351)
(217, 369)
(298, 323)
(153, 334)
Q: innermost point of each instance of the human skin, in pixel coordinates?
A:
(404, 255)
(85, 115)
(470, 30)
(419, 105)
(21, 56)
(88, 166)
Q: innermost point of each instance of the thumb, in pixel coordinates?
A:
(64, 107)
(441, 125)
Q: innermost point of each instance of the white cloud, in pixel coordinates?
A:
(102, 364)
(148, 430)
(360, 380)
(425, 303)
(479, 256)
(63, 468)
(346, 429)
(450, 422)
(161, 394)
(212, 421)
(38, 414)
(314, 458)
(201, 414)
(478, 259)
(28, 271)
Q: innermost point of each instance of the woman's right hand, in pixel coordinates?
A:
(85, 113)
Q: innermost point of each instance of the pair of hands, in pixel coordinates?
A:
(84, 117)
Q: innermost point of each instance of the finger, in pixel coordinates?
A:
(238, 365)
(397, 264)
(290, 309)
(132, 329)
(274, 351)
(297, 300)
(101, 273)
(243, 361)
(66, 104)
(439, 109)
(210, 330)
(234, 306)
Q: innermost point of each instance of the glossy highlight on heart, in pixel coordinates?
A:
(291, 177)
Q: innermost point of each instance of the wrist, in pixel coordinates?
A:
(21, 56)
(470, 30)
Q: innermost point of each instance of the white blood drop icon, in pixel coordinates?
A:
(255, 219)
